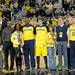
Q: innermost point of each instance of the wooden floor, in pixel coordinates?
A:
(42, 65)
(41, 72)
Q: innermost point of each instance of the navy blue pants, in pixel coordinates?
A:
(72, 54)
(68, 50)
(8, 49)
(29, 52)
(18, 57)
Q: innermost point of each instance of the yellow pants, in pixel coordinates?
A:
(41, 51)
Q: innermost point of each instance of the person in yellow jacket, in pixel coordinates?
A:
(40, 45)
(7, 2)
(54, 21)
(71, 37)
(17, 41)
(51, 51)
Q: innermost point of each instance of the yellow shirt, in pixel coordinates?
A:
(7, 2)
(72, 33)
(27, 8)
(50, 40)
(31, 10)
(28, 33)
(15, 4)
(41, 32)
(17, 39)
(31, 22)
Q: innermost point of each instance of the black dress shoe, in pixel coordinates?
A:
(66, 69)
(59, 69)
(11, 68)
(33, 68)
(27, 69)
(6, 68)
(21, 70)
(71, 69)
(52, 69)
(38, 68)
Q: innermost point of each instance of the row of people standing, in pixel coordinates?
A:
(65, 40)
(32, 46)
(37, 41)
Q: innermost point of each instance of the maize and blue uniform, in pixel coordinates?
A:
(29, 43)
(40, 45)
(72, 45)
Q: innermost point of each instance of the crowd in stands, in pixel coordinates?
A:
(48, 9)
(9, 8)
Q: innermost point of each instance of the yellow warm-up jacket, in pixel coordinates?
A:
(17, 39)
(50, 40)
(72, 33)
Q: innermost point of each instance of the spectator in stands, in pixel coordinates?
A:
(49, 9)
(7, 2)
(16, 7)
(36, 10)
(3, 6)
(63, 12)
(12, 6)
(72, 12)
(66, 4)
(20, 3)
(4, 23)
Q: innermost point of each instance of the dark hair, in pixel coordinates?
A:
(15, 27)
